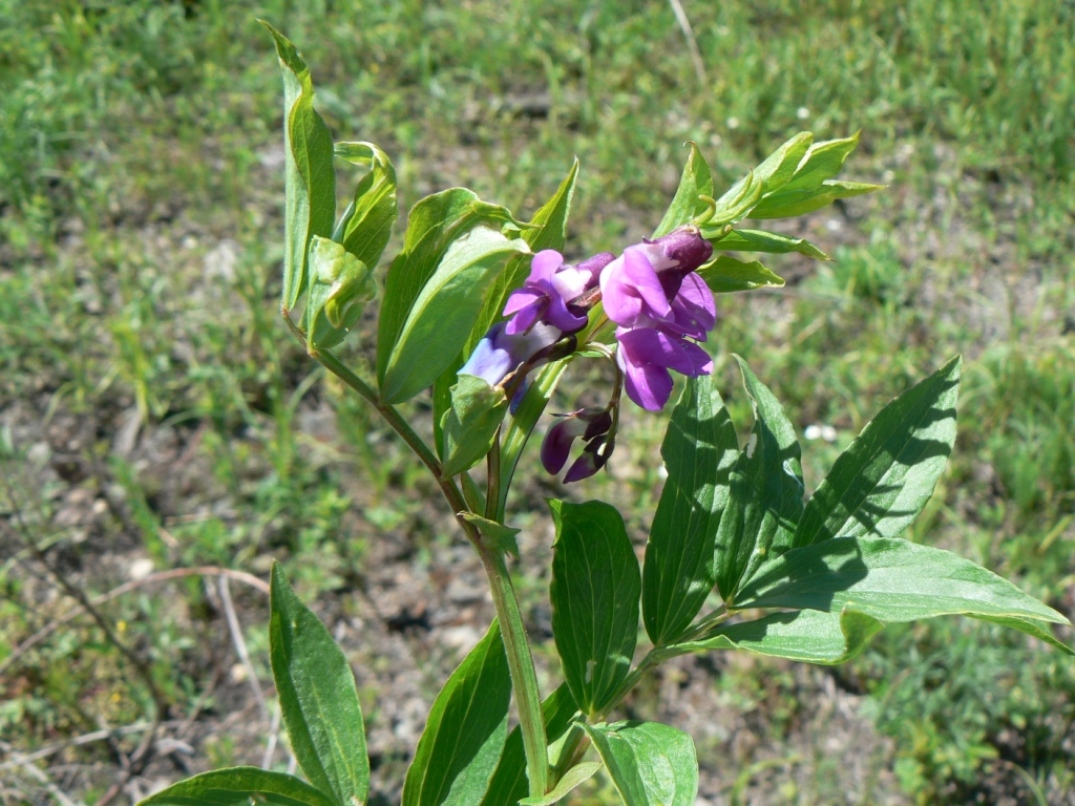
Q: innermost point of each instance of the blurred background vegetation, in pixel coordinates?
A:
(155, 415)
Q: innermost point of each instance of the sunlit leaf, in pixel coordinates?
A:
(650, 764)
(240, 786)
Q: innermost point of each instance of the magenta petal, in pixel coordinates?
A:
(694, 310)
(558, 314)
(544, 266)
(639, 272)
(582, 468)
(648, 385)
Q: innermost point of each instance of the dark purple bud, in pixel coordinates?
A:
(593, 425)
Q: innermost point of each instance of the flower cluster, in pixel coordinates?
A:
(661, 309)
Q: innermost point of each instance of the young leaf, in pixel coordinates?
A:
(595, 587)
(889, 580)
(884, 479)
(442, 314)
(240, 786)
(754, 240)
(766, 492)
(726, 274)
(699, 450)
(737, 202)
(650, 764)
(548, 230)
(340, 285)
(366, 225)
(810, 636)
(822, 161)
(465, 733)
(434, 223)
(791, 203)
(697, 180)
(318, 699)
(509, 784)
(578, 774)
(309, 175)
(780, 166)
(470, 423)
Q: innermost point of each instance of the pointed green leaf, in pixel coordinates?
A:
(548, 231)
(578, 774)
(697, 180)
(1033, 629)
(726, 274)
(810, 636)
(766, 492)
(650, 764)
(740, 199)
(822, 161)
(595, 587)
(340, 285)
(497, 535)
(240, 786)
(470, 424)
(318, 699)
(753, 240)
(309, 175)
(442, 314)
(509, 783)
(790, 203)
(780, 166)
(699, 450)
(434, 223)
(366, 225)
(465, 733)
(884, 479)
(890, 580)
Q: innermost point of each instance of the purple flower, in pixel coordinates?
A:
(654, 295)
(593, 425)
(550, 291)
(499, 353)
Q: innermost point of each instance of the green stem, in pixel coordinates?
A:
(512, 630)
(523, 676)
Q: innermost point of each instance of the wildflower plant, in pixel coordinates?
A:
(484, 312)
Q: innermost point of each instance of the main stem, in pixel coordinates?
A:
(512, 629)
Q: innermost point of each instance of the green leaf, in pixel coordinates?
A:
(890, 580)
(1031, 628)
(340, 285)
(812, 186)
(578, 774)
(548, 231)
(434, 223)
(497, 535)
(309, 175)
(739, 200)
(726, 274)
(595, 587)
(240, 786)
(884, 479)
(766, 492)
(822, 161)
(465, 733)
(699, 450)
(697, 180)
(650, 764)
(442, 314)
(318, 699)
(470, 424)
(366, 225)
(780, 166)
(810, 636)
(753, 240)
(509, 784)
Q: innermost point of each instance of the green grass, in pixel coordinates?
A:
(140, 237)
